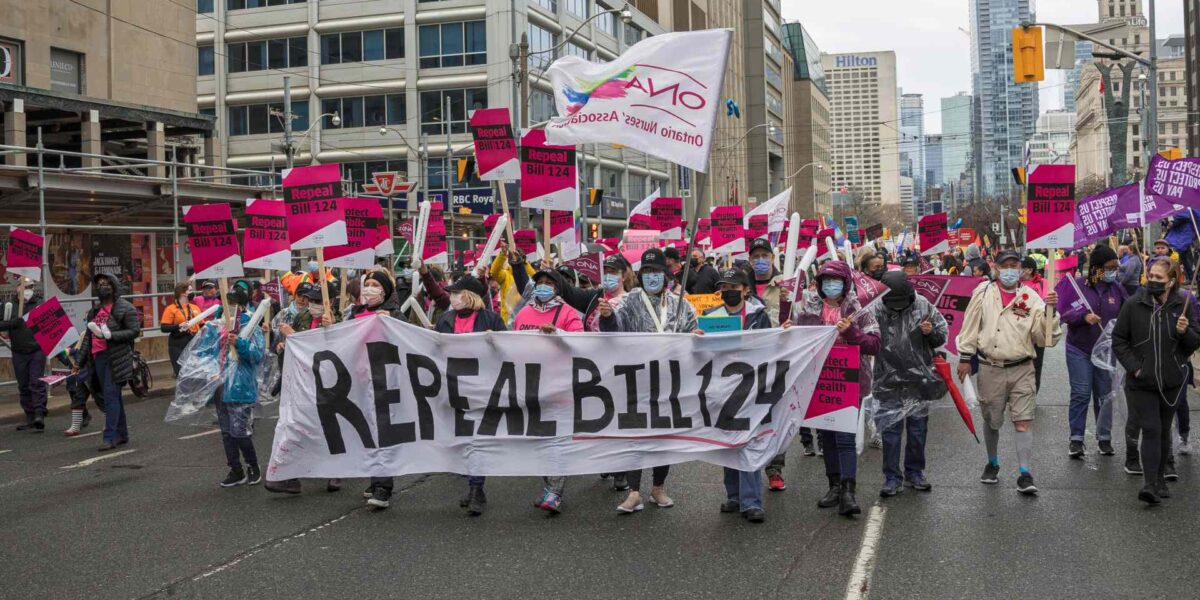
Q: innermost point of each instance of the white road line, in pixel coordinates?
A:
(5, 451)
(91, 461)
(860, 577)
(201, 434)
(83, 435)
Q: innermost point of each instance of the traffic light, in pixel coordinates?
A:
(595, 233)
(1028, 63)
(1021, 215)
(1171, 153)
(595, 195)
(1018, 174)
(466, 166)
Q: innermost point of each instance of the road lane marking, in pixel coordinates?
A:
(201, 434)
(864, 565)
(83, 435)
(91, 461)
(5, 451)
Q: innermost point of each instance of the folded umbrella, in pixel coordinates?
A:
(943, 370)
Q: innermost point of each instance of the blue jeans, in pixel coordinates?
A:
(744, 487)
(1089, 386)
(917, 428)
(115, 429)
(841, 458)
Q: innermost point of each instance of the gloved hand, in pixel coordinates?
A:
(95, 329)
(106, 332)
(242, 346)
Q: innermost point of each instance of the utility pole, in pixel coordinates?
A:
(288, 150)
(449, 174)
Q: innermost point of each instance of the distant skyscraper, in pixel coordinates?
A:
(1004, 112)
(912, 146)
(1083, 56)
(863, 123)
(935, 175)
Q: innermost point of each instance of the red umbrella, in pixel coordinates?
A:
(943, 370)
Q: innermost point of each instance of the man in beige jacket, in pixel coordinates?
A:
(1003, 323)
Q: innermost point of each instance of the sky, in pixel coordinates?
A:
(932, 54)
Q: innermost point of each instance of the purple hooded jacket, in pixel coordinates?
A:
(864, 332)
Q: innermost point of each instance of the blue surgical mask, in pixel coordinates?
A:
(611, 281)
(761, 266)
(1010, 277)
(312, 266)
(543, 292)
(653, 282)
(1110, 276)
(832, 288)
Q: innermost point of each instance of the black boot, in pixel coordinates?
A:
(477, 500)
(847, 505)
(830, 499)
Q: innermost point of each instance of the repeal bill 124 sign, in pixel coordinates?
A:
(265, 243)
(315, 216)
(495, 148)
(1051, 207)
(548, 179)
(212, 240)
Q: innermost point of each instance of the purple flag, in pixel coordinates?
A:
(1175, 181)
(1094, 215)
(1153, 209)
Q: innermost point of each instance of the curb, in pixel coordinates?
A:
(64, 408)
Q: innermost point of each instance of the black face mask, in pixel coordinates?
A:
(897, 303)
(731, 297)
(104, 292)
(877, 274)
(696, 263)
(1156, 288)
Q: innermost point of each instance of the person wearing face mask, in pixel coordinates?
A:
(874, 265)
(510, 272)
(547, 312)
(702, 277)
(209, 297)
(174, 317)
(1032, 279)
(765, 279)
(431, 280)
(1004, 322)
(832, 301)
(905, 383)
(29, 362)
(911, 265)
(743, 489)
(112, 327)
(649, 309)
(675, 268)
(1103, 298)
(1154, 339)
(1130, 273)
(309, 274)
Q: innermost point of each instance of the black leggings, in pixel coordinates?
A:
(659, 476)
(1152, 415)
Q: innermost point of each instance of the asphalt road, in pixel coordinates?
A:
(153, 523)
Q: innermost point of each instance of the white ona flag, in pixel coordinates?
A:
(378, 397)
(776, 210)
(643, 207)
(659, 97)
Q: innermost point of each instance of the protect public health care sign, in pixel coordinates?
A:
(51, 327)
(835, 402)
(378, 397)
(25, 253)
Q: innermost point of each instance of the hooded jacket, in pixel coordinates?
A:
(125, 327)
(1154, 355)
(903, 367)
(556, 312)
(239, 382)
(863, 332)
(20, 335)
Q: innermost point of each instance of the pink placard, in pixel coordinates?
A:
(950, 295)
(548, 176)
(1067, 263)
(405, 229)
(865, 287)
(835, 401)
(25, 253)
(212, 240)
(703, 230)
(51, 327)
(759, 227)
(264, 239)
(560, 221)
(362, 231)
(495, 144)
(634, 243)
(526, 241)
(589, 265)
(666, 215)
(1051, 207)
(932, 233)
(489, 223)
(435, 250)
(726, 230)
(315, 215)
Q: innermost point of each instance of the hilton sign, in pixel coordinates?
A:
(853, 60)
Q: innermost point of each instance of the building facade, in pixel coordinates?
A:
(811, 174)
(935, 175)
(912, 148)
(863, 125)
(1005, 112)
(957, 134)
(1083, 56)
(1191, 32)
(1055, 135)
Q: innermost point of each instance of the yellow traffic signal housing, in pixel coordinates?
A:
(1021, 215)
(1171, 153)
(1028, 62)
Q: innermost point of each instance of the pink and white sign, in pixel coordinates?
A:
(25, 253)
(835, 402)
(634, 243)
(212, 240)
(527, 243)
(362, 232)
(264, 239)
(758, 226)
(315, 216)
(666, 215)
(933, 234)
(703, 232)
(950, 295)
(495, 145)
(726, 230)
(562, 232)
(51, 327)
(1051, 207)
(435, 250)
(548, 179)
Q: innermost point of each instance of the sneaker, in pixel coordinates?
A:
(991, 474)
(876, 441)
(619, 484)
(551, 503)
(1025, 485)
(26, 426)
(287, 486)
(370, 492)
(730, 506)
(476, 501)
(755, 515)
(1075, 450)
(918, 482)
(380, 499)
(39, 424)
(1148, 496)
(1183, 446)
(890, 488)
(333, 485)
(1133, 466)
(632, 504)
(253, 474)
(660, 498)
(808, 449)
(776, 483)
(71, 432)
(1169, 472)
(235, 477)
(1160, 488)
(1106, 448)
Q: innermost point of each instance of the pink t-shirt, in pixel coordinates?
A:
(532, 318)
(830, 314)
(99, 344)
(1006, 298)
(465, 324)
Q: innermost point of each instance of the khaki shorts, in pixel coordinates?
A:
(1014, 388)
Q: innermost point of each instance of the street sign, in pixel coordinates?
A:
(996, 228)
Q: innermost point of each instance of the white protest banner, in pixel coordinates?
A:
(775, 209)
(378, 397)
(660, 96)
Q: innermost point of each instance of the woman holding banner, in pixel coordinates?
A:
(1087, 305)
(29, 362)
(833, 302)
(108, 350)
(174, 317)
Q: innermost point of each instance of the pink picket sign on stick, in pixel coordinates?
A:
(24, 255)
(315, 215)
(212, 241)
(264, 239)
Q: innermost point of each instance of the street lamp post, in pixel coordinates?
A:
(734, 144)
(289, 144)
(821, 167)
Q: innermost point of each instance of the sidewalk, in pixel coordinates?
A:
(59, 403)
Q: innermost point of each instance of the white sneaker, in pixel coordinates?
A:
(1183, 446)
(660, 497)
(632, 504)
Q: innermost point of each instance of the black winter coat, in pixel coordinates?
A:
(703, 280)
(125, 327)
(21, 336)
(1154, 355)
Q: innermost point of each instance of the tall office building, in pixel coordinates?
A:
(864, 123)
(1052, 141)
(810, 127)
(957, 134)
(1191, 32)
(1004, 112)
(912, 148)
(935, 174)
(1083, 56)
(764, 63)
